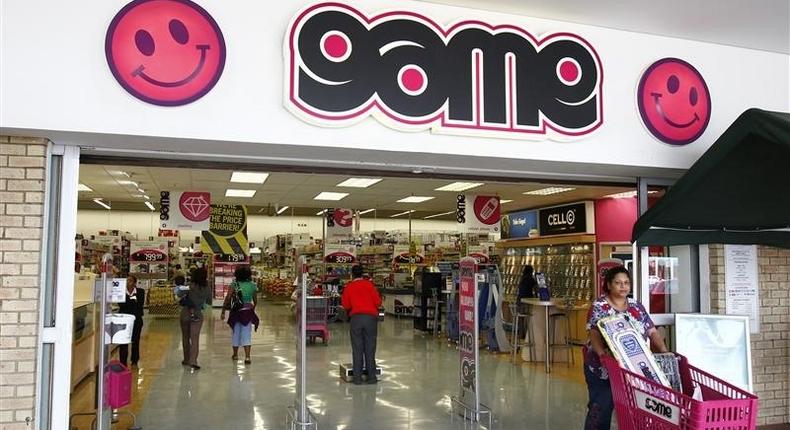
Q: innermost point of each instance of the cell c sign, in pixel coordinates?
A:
(413, 74)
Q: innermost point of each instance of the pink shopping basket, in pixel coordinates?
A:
(642, 404)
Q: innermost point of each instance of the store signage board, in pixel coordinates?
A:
(469, 335)
(549, 87)
(520, 224)
(227, 233)
(148, 251)
(478, 214)
(339, 222)
(718, 344)
(116, 293)
(184, 210)
(576, 218)
(479, 252)
(741, 281)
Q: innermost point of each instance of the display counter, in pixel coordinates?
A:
(162, 302)
(398, 301)
(83, 348)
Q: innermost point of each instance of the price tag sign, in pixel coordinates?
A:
(116, 291)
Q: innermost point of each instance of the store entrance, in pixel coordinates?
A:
(403, 230)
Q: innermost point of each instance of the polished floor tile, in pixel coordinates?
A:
(420, 373)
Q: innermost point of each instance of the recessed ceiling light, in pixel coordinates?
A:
(101, 203)
(83, 187)
(438, 215)
(367, 211)
(402, 213)
(150, 206)
(548, 191)
(282, 209)
(326, 195)
(502, 202)
(459, 186)
(415, 199)
(249, 177)
(239, 193)
(626, 194)
(359, 182)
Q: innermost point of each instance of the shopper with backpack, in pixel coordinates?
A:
(241, 300)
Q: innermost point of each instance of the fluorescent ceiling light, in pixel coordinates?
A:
(459, 186)
(249, 177)
(141, 190)
(326, 195)
(282, 209)
(438, 215)
(402, 213)
(146, 197)
(121, 172)
(359, 182)
(127, 182)
(415, 199)
(139, 196)
(150, 206)
(321, 212)
(626, 194)
(367, 211)
(101, 203)
(502, 202)
(83, 187)
(239, 193)
(548, 191)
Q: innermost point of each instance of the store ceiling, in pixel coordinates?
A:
(297, 190)
(763, 25)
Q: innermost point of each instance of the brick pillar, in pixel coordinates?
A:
(22, 165)
(770, 347)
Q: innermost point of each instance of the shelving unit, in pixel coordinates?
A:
(428, 288)
(569, 267)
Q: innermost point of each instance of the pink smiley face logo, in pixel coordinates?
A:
(674, 101)
(165, 52)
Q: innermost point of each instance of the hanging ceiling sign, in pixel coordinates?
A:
(184, 210)
(576, 218)
(413, 74)
(478, 214)
(339, 222)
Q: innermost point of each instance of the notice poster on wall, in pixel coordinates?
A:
(227, 233)
(184, 210)
(478, 214)
(340, 254)
(741, 283)
(468, 332)
(339, 222)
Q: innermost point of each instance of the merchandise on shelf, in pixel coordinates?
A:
(569, 269)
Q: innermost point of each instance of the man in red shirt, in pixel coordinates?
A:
(361, 301)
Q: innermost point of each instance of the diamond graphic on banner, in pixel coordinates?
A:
(195, 206)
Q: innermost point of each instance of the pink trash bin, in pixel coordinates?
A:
(119, 385)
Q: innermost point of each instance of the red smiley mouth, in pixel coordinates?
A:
(660, 110)
(202, 48)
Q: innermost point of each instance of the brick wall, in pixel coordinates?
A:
(22, 163)
(770, 347)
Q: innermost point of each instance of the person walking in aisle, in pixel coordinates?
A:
(614, 301)
(242, 320)
(135, 301)
(361, 301)
(192, 303)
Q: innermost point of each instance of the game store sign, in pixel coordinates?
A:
(412, 73)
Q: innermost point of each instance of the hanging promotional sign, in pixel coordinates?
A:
(184, 210)
(411, 73)
(339, 222)
(479, 252)
(148, 251)
(468, 329)
(401, 254)
(337, 253)
(567, 219)
(520, 225)
(227, 233)
(478, 214)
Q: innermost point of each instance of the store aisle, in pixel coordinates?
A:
(419, 374)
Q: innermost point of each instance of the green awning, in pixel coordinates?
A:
(738, 192)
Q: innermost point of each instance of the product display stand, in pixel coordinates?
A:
(299, 415)
(468, 399)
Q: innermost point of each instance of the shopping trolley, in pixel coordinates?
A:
(643, 404)
(316, 319)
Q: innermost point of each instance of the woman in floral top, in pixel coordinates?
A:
(614, 301)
